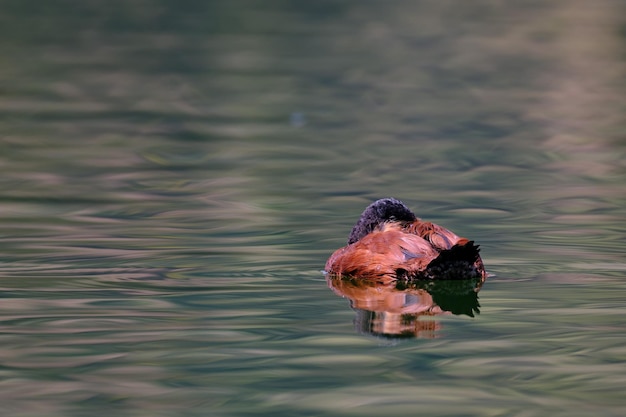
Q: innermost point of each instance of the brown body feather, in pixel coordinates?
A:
(408, 250)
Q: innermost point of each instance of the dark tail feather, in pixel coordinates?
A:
(458, 262)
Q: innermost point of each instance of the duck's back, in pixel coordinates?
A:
(407, 251)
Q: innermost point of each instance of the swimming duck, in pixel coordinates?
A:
(390, 243)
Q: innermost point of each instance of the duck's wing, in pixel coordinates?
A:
(440, 237)
(383, 254)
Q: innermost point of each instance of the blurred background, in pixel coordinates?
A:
(174, 175)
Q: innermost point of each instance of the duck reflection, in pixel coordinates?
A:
(406, 309)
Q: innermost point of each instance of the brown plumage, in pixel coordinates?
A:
(390, 243)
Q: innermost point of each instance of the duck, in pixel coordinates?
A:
(390, 243)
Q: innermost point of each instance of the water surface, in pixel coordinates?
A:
(175, 176)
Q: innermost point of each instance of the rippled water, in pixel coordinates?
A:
(175, 176)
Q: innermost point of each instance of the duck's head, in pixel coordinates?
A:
(380, 211)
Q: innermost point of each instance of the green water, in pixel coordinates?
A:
(174, 175)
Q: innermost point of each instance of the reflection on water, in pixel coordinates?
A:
(406, 309)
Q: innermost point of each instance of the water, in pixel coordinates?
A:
(174, 177)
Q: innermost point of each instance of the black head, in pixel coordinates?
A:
(381, 211)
